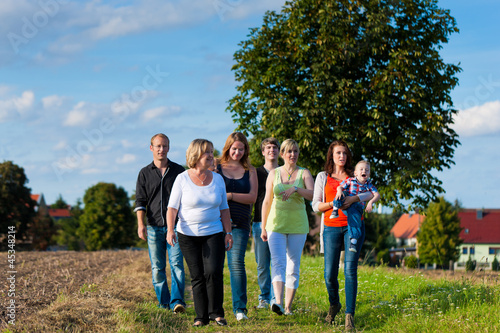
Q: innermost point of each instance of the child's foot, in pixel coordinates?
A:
(352, 248)
(335, 214)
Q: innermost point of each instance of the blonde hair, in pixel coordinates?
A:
(232, 138)
(287, 144)
(197, 148)
(161, 135)
(362, 162)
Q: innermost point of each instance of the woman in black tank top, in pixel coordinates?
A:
(241, 187)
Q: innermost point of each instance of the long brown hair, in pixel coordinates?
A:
(232, 138)
(330, 165)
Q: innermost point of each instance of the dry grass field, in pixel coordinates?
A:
(73, 290)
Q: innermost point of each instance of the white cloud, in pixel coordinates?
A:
(13, 106)
(478, 120)
(84, 113)
(126, 158)
(131, 102)
(159, 112)
(53, 101)
(76, 117)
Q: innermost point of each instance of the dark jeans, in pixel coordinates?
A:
(205, 259)
(336, 239)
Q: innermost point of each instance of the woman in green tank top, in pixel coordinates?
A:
(285, 224)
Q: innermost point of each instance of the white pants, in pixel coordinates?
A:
(286, 251)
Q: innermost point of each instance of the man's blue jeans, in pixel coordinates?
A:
(237, 272)
(336, 239)
(158, 248)
(354, 214)
(263, 259)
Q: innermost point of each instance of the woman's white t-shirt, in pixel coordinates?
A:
(199, 206)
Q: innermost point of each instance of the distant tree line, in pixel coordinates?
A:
(106, 220)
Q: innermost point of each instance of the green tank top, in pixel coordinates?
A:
(288, 217)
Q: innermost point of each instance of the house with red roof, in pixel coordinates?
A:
(59, 213)
(405, 230)
(480, 233)
(42, 208)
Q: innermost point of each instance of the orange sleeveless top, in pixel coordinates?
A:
(330, 192)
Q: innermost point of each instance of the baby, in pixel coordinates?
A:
(360, 183)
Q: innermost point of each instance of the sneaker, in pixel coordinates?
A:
(352, 248)
(349, 323)
(241, 316)
(288, 313)
(179, 308)
(278, 309)
(335, 214)
(263, 304)
(332, 312)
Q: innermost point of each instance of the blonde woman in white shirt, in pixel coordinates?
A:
(204, 230)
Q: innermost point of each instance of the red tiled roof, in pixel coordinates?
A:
(35, 197)
(407, 226)
(61, 212)
(480, 231)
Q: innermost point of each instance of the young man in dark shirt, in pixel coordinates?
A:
(153, 188)
(270, 150)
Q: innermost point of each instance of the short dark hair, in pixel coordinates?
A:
(269, 141)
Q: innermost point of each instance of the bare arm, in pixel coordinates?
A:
(266, 204)
(308, 191)
(171, 215)
(250, 197)
(369, 205)
(226, 225)
(142, 230)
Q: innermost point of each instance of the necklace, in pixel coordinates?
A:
(202, 181)
(290, 173)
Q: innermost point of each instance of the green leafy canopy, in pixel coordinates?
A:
(368, 72)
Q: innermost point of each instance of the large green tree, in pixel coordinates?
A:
(107, 221)
(17, 209)
(366, 71)
(67, 233)
(438, 238)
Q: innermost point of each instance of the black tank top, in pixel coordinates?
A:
(240, 213)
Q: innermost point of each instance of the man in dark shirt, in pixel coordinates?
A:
(153, 188)
(270, 150)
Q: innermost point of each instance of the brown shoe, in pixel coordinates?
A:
(349, 323)
(332, 312)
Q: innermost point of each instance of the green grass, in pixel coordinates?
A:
(388, 301)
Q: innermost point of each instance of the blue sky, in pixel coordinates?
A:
(85, 84)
